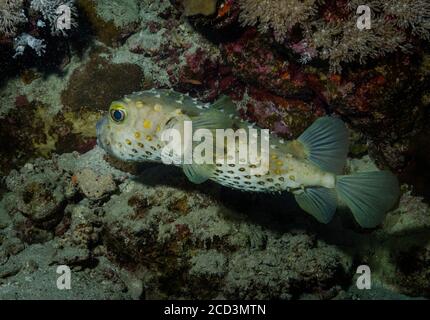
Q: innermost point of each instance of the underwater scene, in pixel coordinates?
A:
(214, 149)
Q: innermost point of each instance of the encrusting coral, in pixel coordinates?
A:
(329, 28)
(204, 7)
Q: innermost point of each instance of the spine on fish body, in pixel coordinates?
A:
(311, 167)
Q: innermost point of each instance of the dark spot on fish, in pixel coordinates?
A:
(241, 169)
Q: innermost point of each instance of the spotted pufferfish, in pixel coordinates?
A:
(310, 167)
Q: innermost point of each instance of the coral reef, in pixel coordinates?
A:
(51, 11)
(11, 16)
(204, 7)
(330, 30)
(29, 19)
(111, 21)
(137, 231)
(161, 237)
(109, 82)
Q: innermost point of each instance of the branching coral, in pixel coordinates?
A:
(281, 16)
(50, 10)
(11, 15)
(329, 28)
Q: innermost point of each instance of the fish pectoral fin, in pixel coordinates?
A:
(226, 105)
(297, 149)
(198, 173)
(325, 143)
(320, 202)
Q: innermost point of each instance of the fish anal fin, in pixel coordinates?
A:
(198, 173)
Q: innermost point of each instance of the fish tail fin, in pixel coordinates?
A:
(369, 195)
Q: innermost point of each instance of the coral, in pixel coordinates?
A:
(22, 134)
(108, 81)
(181, 242)
(11, 15)
(254, 62)
(94, 186)
(204, 7)
(332, 34)
(111, 21)
(281, 16)
(41, 197)
(288, 118)
(51, 13)
(26, 40)
(209, 244)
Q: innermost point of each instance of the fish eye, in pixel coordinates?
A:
(117, 115)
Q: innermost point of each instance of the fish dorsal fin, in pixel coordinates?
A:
(225, 105)
(321, 203)
(198, 173)
(219, 116)
(325, 144)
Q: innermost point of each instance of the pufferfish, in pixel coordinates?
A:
(311, 167)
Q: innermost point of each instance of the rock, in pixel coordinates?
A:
(113, 21)
(412, 215)
(13, 246)
(39, 195)
(208, 263)
(5, 219)
(207, 251)
(95, 186)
